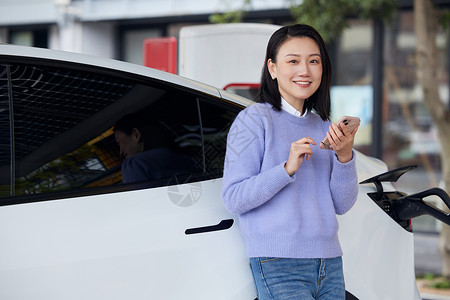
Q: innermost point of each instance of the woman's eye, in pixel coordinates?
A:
(314, 61)
(293, 61)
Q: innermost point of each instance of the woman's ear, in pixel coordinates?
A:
(272, 67)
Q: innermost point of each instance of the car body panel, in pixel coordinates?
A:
(128, 245)
(375, 244)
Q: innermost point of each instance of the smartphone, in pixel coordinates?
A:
(350, 122)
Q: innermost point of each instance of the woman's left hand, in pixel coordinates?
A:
(342, 141)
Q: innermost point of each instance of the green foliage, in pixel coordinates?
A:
(444, 19)
(231, 16)
(437, 282)
(228, 17)
(429, 276)
(330, 17)
(441, 284)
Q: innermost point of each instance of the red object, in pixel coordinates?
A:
(161, 53)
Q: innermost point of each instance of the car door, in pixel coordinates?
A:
(69, 227)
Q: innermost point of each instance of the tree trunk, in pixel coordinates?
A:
(425, 22)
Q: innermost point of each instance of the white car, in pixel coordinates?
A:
(69, 229)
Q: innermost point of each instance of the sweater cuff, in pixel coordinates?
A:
(285, 174)
(350, 162)
(343, 170)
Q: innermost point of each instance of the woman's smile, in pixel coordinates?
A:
(303, 83)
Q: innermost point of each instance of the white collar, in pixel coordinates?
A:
(290, 109)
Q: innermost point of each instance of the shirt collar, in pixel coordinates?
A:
(290, 109)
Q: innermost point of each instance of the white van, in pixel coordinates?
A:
(69, 229)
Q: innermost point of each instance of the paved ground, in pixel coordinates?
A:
(426, 254)
(428, 261)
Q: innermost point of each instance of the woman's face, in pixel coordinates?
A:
(298, 69)
(129, 144)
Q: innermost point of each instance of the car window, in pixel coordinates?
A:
(5, 149)
(216, 121)
(64, 128)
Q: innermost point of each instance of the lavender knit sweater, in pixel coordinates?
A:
(280, 215)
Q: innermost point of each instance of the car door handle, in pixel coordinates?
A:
(223, 225)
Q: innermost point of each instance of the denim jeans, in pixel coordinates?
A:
(298, 278)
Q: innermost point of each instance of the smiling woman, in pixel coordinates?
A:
(283, 176)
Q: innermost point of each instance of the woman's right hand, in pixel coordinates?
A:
(299, 149)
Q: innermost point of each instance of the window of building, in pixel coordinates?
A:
(352, 91)
(32, 38)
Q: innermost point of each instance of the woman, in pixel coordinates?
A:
(285, 189)
(149, 154)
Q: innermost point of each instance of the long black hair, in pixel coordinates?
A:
(268, 90)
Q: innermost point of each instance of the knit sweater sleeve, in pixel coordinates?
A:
(343, 184)
(245, 187)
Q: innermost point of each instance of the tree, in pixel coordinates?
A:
(425, 22)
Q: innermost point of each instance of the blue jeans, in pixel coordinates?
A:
(298, 278)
